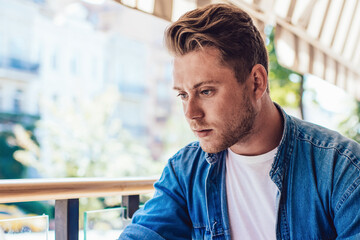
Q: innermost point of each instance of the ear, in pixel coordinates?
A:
(259, 80)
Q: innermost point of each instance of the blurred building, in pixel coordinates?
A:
(19, 62)
(56, 49)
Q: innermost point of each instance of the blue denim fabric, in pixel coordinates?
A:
(317, 172)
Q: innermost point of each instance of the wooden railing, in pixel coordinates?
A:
(66, 193)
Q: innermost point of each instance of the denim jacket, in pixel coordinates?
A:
(316, 170)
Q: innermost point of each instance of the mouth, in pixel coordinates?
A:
(202, 133)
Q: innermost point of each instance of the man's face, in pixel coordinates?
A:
(217, 107)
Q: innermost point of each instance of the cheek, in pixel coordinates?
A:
(219, 111)
(225, 104)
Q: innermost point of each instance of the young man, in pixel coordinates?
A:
(256, 172)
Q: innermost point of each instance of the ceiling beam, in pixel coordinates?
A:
(337, 23)
(318, 45)
(290, 11)
(349, 27)
(306, 15)
(201, 3)
(163, 9)
(324, 19)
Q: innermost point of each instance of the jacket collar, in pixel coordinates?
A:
(285, 149)
(212, 158)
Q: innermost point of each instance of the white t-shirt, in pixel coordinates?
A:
(251, 196)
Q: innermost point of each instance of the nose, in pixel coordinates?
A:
(192, 109)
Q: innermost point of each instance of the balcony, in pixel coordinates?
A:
(66, 193)
(9, 119)
(15, 68)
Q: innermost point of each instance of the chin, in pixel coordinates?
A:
(211, 148)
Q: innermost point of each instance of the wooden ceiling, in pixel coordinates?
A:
(320, 37)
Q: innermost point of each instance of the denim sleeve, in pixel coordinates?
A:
(136, 231)
(165, 216)
(347, 214)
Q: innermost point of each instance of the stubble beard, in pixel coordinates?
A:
(237, 130)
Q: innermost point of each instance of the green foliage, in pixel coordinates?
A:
(13, 169)
(9, 167)
(84, 137)
(285, 84)
(38, 208)
(351, 125)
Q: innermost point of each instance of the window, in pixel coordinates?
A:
(54, 61)
(74, 66)
(17, 101)
(1, 99)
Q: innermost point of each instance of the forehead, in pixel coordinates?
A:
(208, 55)
(200, 65)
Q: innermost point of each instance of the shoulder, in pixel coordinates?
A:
(188, 159)
(324, 139)
(190, 149)
(324, 174)
(185, 171)
(329, 156)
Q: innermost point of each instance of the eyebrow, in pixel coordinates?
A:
(199, 84)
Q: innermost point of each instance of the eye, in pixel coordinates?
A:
(206, 92)
(183, 96)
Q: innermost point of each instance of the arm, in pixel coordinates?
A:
(347, 211)
(165, 216)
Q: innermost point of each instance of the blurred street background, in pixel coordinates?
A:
(86, 91)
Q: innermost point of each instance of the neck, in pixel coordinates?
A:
(267, 132)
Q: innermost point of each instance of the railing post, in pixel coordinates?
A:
(67, 219)
(131, 202)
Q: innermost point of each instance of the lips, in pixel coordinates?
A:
(202, 133)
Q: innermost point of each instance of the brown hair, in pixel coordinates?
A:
(225, 27)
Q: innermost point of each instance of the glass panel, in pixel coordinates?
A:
(104, 224)
(27, 228)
